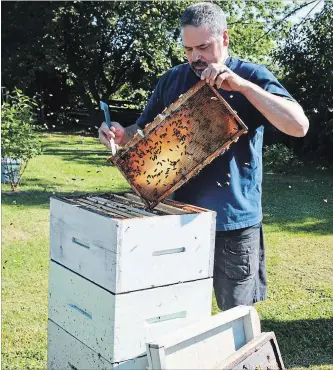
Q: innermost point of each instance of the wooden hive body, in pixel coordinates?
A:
(118, 325)
(120, 274)
(205, 344)
(116, 252)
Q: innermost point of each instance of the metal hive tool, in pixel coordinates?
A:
(188, 135)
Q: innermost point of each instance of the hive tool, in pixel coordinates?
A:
(105, 108)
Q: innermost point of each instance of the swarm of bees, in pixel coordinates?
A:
(183, 139)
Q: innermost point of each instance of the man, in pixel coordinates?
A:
(259, 99)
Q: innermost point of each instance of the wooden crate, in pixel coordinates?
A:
(204, 345)
(122, 254)
(261, 353)
(118, 325)
(68, 353)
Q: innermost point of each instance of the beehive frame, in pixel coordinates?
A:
(199, 126)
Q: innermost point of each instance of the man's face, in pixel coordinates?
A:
(203, 48)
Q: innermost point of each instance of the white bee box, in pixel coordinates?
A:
(118, 326)
(124, 255)
(66, 352)
(205, 344)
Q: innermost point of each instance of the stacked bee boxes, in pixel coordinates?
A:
(121, 275)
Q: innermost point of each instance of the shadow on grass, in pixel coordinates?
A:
(81, 156)
(41, 199)
(303, 342)
(301, 225)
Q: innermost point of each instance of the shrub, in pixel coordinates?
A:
(19, 142)
(279, 158)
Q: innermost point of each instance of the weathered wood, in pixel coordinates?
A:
(205, 344)
(161, 206)
(261, 352)
(105, 210)
(64, 352)
(128, 208)
(118, 326)
(124, 255)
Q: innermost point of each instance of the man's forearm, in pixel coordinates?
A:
(285, 115)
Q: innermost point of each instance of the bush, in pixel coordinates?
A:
(279, 158)
(19, 142)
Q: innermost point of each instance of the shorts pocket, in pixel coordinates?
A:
(241, 254)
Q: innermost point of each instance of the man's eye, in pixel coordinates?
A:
(203, 47)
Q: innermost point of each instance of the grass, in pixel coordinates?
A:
(298, 224)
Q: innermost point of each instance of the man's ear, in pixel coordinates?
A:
(225, 38)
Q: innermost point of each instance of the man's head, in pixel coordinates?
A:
(205, 35)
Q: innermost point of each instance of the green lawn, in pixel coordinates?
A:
(298, 225)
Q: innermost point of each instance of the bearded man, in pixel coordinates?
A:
(259, 100)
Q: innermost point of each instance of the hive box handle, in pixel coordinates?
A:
(172, 316)
(169, 251)
(76, 308)
(80, 243)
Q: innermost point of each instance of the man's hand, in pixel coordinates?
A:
(116, 132)
(223, 78)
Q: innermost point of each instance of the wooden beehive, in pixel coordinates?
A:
(117, 326)
(188, 135)
(121, 274)
(205, 344)
(113, 241)
(262, 352)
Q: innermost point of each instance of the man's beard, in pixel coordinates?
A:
(200, 64)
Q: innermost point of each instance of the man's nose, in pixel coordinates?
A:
(195, 56)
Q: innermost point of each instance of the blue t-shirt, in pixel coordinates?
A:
(231, 183)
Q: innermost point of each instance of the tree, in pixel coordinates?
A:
(307, 65)
(107, 49)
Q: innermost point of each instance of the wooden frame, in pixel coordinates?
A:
(206, 344)
(261, 352)
(140, 160)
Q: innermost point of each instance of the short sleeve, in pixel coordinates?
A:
(154, 106)
(262, 77)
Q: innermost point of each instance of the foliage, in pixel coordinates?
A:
(97, 47)
(18, 139)
(306, 60)
(278, 158)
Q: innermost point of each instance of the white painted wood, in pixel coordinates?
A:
(67, 352)
(164, 250)
(252, 326)
(84, 241)
(118, 326)
(204, 345)
(132, 254)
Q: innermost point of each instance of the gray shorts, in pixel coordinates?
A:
(239, 267)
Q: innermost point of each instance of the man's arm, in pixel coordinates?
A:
(285, 115)
(123, 135)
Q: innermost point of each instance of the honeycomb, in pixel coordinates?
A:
(183, 139)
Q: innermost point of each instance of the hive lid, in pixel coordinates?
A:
(199, 126)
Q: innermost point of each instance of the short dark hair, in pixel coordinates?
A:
(205, 14)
